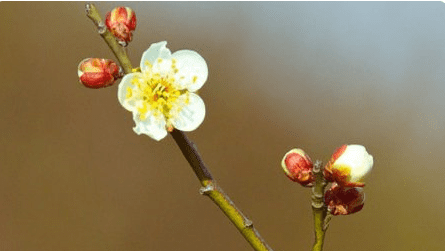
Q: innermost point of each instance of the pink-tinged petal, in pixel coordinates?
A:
(188, 112)
(192, 69)
(131, 19)
(339, 152)
(121, 21)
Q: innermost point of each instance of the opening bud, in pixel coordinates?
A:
(98, 72)
(298, 167)
(121, 21)
(344, 200)
(349, 165)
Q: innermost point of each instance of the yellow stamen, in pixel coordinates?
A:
(158, 92)
(129, 93)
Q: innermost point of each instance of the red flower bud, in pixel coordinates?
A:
(97, 72)
(298, 167)
(344, 200)
(121, 21)
(349, 165)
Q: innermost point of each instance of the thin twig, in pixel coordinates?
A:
(216, 194)
(190, 151)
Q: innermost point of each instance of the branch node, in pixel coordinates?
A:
(248, 223)
(101, 28)
(207, 189)
(316, 195)
(122, 43)
(317, 205)
(317, 166)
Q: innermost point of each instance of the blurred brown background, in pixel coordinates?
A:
(74, 176)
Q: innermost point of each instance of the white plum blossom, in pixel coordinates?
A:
(161, 96)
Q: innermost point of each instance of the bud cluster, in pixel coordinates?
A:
(98, 72)
(346, 170)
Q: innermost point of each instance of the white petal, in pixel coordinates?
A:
(358, 159)
(127, 92)
(192, 69)
(156, 50)
(191, 112)
(151, 126)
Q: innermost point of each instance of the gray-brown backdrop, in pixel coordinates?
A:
(74, 176)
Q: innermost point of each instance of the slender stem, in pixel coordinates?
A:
(189, 150)
(117, 49)
(320, 212)
(216, 194)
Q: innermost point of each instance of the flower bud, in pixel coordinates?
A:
(349, 165)
(121, 21)
(97, 72)
(298, 167)
(344, 200)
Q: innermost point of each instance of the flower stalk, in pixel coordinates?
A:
(188, 149)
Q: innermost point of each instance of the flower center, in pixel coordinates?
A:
(158, 92)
